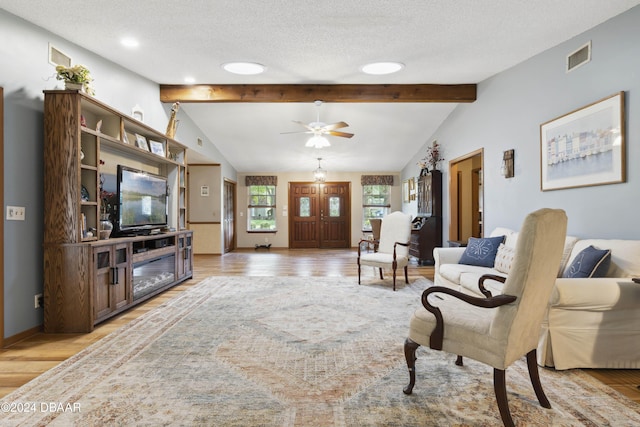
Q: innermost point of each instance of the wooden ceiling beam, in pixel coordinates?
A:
(312, 92)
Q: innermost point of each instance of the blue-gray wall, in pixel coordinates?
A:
(508, 113)
(25, 74)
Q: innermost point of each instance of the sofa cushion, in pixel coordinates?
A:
(453, 272)
(504, 258)
(590, 262)
(469, 281)
(625, 255)
(510, 236)
(569, 243)
(481, 252)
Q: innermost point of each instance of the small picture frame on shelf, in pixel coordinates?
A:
(141, 142)
(125, 138)
(157, 148)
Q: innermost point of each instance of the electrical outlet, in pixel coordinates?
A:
(37, 301)
(15, 213)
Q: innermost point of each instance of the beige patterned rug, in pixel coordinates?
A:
(288, 351)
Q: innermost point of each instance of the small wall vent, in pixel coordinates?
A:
(57, 57)
(579, 57)
(200, 142)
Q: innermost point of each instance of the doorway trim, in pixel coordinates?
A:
(455, 196)
(2, 224)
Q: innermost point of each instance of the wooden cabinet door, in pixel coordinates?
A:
(102, 260)
(112, 280)
(120, 290)
(184, 261)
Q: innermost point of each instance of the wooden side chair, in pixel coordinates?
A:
(393, 247)
(376, 225)
(496, 330)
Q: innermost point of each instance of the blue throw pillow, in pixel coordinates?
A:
(590, 262)
(481, 252)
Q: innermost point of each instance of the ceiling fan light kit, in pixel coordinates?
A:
(320, 129)
(318, 141)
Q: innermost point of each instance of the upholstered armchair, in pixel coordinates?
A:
(496, 330)
(393, 246)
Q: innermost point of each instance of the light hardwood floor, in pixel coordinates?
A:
(29, 358)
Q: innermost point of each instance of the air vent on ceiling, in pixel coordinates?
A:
(579, 57)
(57, 57)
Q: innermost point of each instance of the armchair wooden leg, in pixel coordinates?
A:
(459, 361)
(500, 389)
(358, 271)
(406, 275)
(381, 278)
(410, 348)
(535, 379)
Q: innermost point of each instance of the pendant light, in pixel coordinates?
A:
(320, 175)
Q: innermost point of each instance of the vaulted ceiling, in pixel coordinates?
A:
(304, 42)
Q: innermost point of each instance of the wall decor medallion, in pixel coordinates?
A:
(584, 147)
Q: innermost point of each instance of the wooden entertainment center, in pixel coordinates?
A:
(86, 279)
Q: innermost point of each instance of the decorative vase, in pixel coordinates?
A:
(105, 227)
(72, 85)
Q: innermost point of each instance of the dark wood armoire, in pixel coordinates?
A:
(426, 232)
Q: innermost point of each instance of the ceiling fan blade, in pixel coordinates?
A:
(335, 126)
(303, 124)
(299, 131)
(342, 134)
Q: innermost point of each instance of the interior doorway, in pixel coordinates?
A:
(466, 196)
(319, 215)
(229, 220)
(2, 223)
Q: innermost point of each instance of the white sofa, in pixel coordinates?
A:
(590, 323)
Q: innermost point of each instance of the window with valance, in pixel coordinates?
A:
(261, 191)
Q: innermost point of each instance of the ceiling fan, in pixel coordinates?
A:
(320, 129)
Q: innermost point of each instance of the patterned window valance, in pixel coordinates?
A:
(260, 180)
(377, 179)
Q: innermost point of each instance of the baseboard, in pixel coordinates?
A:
(9, 341)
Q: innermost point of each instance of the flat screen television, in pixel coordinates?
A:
(141, 205)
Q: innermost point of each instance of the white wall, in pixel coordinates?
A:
(509, 110)
(25, 74)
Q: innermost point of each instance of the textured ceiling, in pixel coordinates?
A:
(325, 42)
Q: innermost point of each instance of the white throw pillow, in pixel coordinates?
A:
(504, 258)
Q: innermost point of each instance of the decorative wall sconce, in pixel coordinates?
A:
(506, 169)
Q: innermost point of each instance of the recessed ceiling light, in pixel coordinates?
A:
(129, 42)
(380, 68)
(189, 80)
(244, 68)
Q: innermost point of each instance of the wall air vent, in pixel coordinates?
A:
(579, 57)
(57, 57)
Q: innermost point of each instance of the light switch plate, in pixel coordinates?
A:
(15, 213)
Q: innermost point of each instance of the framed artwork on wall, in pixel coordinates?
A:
(405, 191)
(584, 147)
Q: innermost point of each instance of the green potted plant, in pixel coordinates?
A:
(76, 77)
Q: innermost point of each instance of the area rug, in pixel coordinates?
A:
(291, 351)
